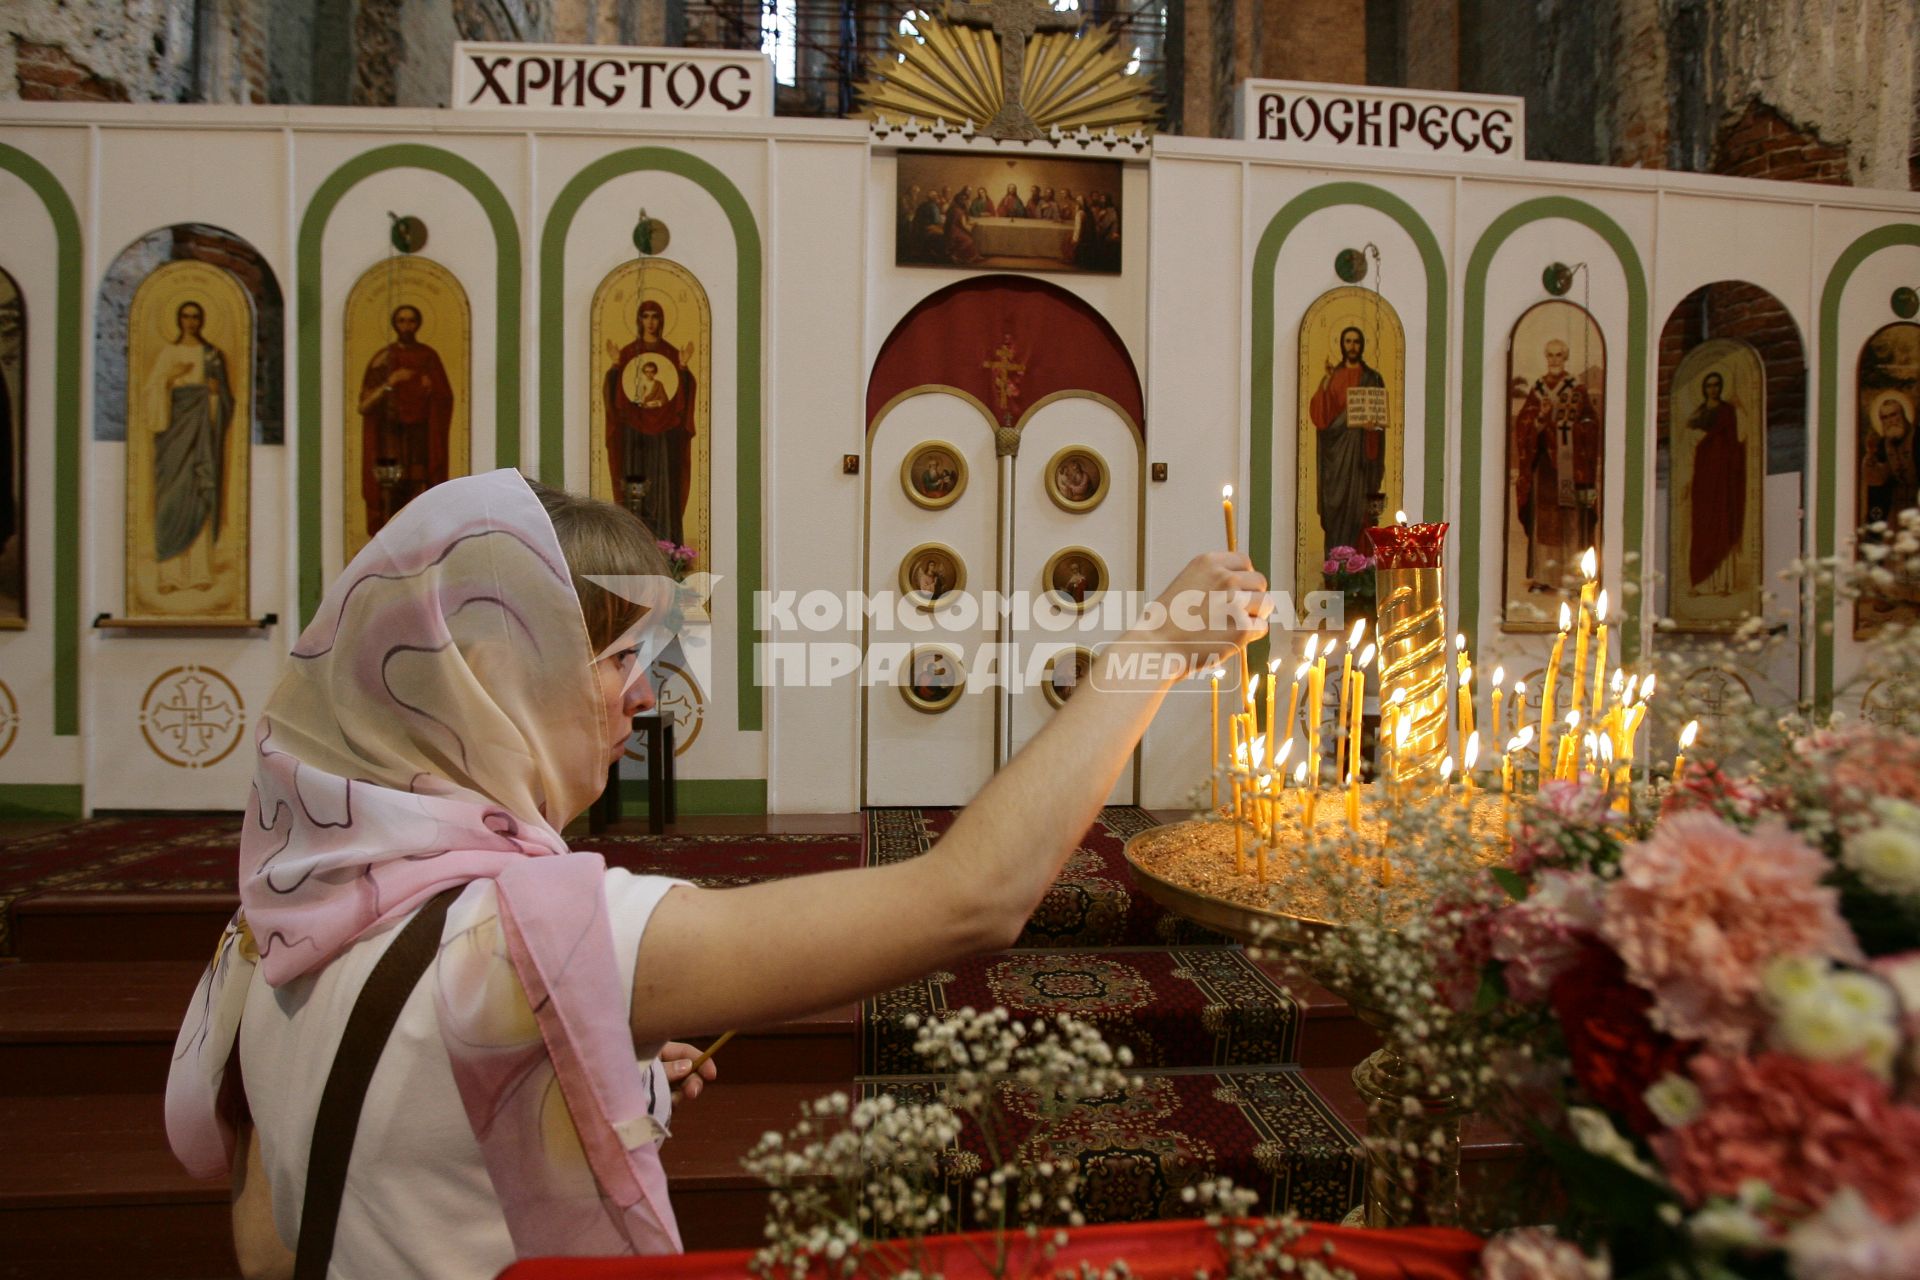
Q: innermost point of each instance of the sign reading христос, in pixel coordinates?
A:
(1341, 117)
(611, 79)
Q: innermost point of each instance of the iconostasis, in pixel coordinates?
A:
(825, 364)
(1676, 371)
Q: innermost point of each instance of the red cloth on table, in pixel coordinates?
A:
(1153, 1251)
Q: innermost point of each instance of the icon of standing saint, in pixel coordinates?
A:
(408, 355)
(652, 403)
(190, 348)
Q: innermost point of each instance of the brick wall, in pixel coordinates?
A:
(47, 74)
(1761, 143)
(1322, 40)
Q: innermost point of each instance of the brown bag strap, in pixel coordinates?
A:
(368, 1026)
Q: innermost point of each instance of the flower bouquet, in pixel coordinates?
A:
(1350, 572)
(679, 559)
(1710, 1025)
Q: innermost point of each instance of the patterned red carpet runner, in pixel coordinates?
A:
(121, 857)
(1213, 1033)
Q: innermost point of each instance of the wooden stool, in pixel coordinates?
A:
(660, 798)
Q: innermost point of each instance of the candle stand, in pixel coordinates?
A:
(1384, 1078)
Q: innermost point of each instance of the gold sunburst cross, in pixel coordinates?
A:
(1014, 68)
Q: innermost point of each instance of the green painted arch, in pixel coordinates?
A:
(553, 346)
(506, 337)
(1828, 426)
(66, 433)
(1473, 395)
(1266, 258)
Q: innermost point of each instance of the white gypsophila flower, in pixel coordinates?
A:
(1723, 1226)
(1887, 859)
(1674, 1100)
(1596, 1134)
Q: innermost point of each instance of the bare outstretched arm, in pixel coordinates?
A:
(714, 959)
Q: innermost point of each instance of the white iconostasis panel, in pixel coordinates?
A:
(31, 753)
(1874, 356)
(1741, 311)
(1197, 408)
(170, 713)
(934, 745)
(1504, 591)
(460, 239)
(599, 241)
(1388, 301)
(1076, 499)
(815, 512)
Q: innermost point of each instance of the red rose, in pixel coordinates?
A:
(1615, 1051)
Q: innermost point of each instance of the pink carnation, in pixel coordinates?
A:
(1701, 907)
(1806, 1129)
(1540, 938)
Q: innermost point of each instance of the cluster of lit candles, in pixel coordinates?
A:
(1593, 742)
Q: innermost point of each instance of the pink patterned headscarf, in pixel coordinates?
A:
(438, 723)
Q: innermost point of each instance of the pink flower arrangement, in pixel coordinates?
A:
(679, 558)
(1805, 1129)
(1701, 907)
(1346, 560)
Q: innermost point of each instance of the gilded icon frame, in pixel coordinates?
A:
(910, 468)
(1083, 660)
(1094, 495)
(1058, 562)
(919, 700)
(911, 582)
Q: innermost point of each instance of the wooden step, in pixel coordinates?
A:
(102, 1027)
(90, 1188)
(1331, 1033)
(74, 927)
(91, 1026)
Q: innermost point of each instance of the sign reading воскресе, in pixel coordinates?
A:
(604, 78)
(1406, 121)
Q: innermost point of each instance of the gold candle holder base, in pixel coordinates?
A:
(1186, 867)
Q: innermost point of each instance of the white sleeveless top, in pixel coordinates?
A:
(418, 1200)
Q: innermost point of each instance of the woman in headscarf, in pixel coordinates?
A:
(458, 697)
